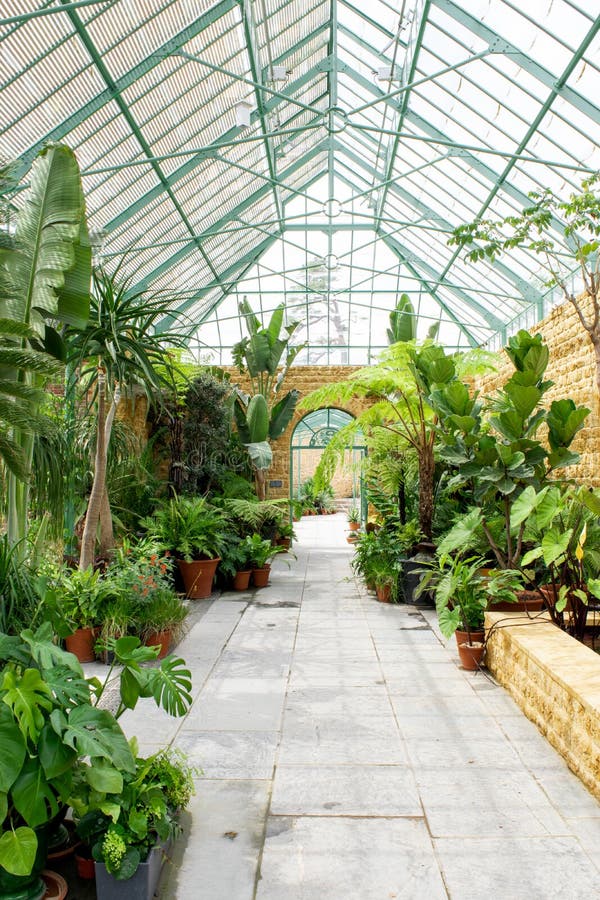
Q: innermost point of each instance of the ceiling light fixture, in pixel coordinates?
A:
(242, 113)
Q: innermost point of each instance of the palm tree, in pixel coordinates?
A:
(118, 349)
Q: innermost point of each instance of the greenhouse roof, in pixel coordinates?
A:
(308, 151)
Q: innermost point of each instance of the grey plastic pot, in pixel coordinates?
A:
(141, 885)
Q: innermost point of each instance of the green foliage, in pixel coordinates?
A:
(19, 597)
(463, 592)
(190, 527)
(57, 736)
(261, 516)
(316, 496)
(561, 535)
(44, 277)
(258, 551)
(122, 827)
(207, 445)
(261, 417)
(494, 449)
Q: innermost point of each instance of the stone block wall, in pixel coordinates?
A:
(572, 368)
(303, 379)
(555, 680)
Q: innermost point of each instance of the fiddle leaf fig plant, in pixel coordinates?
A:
(495, 450)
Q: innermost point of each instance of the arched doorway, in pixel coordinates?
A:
(310, 436)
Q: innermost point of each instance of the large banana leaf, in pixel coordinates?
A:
(261, 455)
(281, 414)
(50, 268)
(403, 322)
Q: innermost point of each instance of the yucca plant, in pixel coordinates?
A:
(119, 348)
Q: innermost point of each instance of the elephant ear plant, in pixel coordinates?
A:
(260, 417)
(55, 736)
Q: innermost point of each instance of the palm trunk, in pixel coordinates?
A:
(260, 483)
(426, 490)
(107, 535)
(88, 540)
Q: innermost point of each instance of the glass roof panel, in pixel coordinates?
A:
(369, 131)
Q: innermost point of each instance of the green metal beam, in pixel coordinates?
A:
(255, 68)
(405, 257)
(238, 268)
(126, 112)
(121, 84)
(543, 75)
(201, 155)
(51, 10)
(407, 78)
(257, 195)
(529, 293)
(258, 86)
(546, 106)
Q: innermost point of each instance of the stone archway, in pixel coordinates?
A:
(311, 434)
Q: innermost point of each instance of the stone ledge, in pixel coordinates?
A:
(556, 682)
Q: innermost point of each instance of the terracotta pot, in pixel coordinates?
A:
(477, 636)
(161, 639)
(283, 542)
(384, 593)
(56, 886)
(260, 577)
(470, 655)
(198, 577)
(353, 526)
(241, 580)
(85, 867)
(529, 601)
(352, 538)
(81, 643)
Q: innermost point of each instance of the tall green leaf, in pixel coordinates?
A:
(51, 243)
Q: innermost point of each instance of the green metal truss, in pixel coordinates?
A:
(372, 126)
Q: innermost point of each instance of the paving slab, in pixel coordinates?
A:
(218, 852)
(345, 754)
(329, 858)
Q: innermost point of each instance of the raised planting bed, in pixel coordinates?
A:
(556, 682)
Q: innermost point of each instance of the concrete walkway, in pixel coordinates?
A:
(347, 757)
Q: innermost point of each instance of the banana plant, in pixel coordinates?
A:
(403, 323)
(260, 416)
(45, 272)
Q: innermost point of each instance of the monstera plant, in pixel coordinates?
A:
(263, 416)
(55, 737)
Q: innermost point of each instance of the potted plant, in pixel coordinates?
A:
(130, 831)
(462, 594)
(194, 531)
(494, 450)
(384, 577)
(142, 583)
(285, 535)
(259, 553)
(80, 596)
(160, 620)
(354, 518)
(57, 737)
(562, 540)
